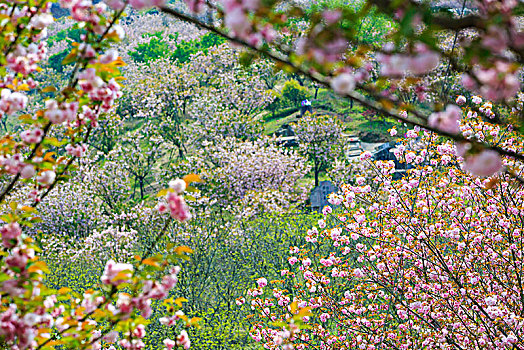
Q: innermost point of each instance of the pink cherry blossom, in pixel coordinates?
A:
(343, 83)
(177, 207)
(11, 102)
(183, 340)
(460, 100)
(485, 163)
(10, 233)
(169, 344)
(496, 39)
(237, 21)
(144, 4)
(47, 177)
(331, 16)
(178, 185)
(112, 269)
(32, 136)
(262, 282)
(195, 5)
(27, 172)
(448, 120)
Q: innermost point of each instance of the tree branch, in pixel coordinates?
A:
(355, 96)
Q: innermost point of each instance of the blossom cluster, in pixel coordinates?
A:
(433, 252)
(254, 175)
(49, 137)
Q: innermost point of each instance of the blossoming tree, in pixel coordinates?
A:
(329, 51)
(431, 261)
(247, 178)
(37, 158)
(319, 139)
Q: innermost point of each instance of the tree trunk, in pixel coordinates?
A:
(317, 171)
(134, 188)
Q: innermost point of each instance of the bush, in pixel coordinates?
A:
(55, 61)
(185, 49)
(154, 49)
(293, 93)
(69, 35)
(276, 104)
(157, 48)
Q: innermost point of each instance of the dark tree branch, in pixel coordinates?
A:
(316, 77)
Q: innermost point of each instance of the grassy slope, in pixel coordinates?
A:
(328, 103)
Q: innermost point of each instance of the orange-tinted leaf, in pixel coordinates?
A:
(293, 307)
(122, 275)
(119, 62)
(183, 249)
(150, 262)
(23, 87)
(79, 311)
(49, 89)
(180, 300)
(49, 157)
(191, 178)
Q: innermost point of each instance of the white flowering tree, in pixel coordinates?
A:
(319, 139)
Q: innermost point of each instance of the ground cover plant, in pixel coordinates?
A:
(148, 199)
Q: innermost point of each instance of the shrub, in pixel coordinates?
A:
(185, 49)
(154, 49)
(293, 93)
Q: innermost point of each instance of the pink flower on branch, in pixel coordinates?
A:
(10, 234)
(460, 100)
(421, 62)
(343, 84)
(145, 4)
(117, 273)
(174, 202)
(497, 83)
(484, 163)
(183, 340)
(177, 207)
(447, 120)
